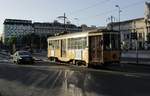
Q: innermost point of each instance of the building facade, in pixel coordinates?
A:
(51, 29)
(138, 26)
(129, 27)
(20, 28)
(16, 28)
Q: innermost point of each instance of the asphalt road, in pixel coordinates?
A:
(47, 79)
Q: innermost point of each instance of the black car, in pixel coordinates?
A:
(23, 57)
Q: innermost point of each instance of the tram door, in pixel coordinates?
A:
(63, 48)
(95, 49)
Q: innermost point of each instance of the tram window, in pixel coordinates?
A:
(77, 43)
(114, 41)
(69, 43)
(50, 44)
(111, 42)
(57, 44)
(54, 43)
(106, 41)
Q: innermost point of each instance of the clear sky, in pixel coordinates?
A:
(90, 12)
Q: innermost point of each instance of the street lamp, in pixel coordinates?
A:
(119, 11)
(119, 15)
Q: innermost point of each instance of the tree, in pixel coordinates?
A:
(12, 44)
(34, 41)
(31, 40)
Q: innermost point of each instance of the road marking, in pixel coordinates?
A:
(132, 75)
(5, 61)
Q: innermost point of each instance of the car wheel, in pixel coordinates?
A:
(17, 62)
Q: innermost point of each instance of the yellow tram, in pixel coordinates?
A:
(95, 47)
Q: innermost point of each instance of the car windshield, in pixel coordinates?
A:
(24, 53)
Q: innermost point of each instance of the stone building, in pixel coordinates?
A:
(139, 26)
(50, 29)
(129, 27)
(19, 28)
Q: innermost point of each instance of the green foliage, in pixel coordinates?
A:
(11, 40)
(11, 43)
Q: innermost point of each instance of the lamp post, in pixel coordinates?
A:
(119, 15)
(119, 36)
(119, 11)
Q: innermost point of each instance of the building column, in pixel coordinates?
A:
(146, 29)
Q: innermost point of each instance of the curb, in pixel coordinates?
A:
(146, 64)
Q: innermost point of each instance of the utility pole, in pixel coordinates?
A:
(111, 19)
(77, 20)
(64, 22)
(40, 41)
(64, 18)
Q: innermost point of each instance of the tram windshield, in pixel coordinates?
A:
(111, 41)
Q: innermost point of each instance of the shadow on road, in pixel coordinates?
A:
(30, 76)
(83, 82)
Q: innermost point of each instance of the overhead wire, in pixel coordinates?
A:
(91, 6)
(113, 10)
(86, 8)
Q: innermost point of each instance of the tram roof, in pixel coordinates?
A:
(81, 34)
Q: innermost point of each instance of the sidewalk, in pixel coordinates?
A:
(131, 57)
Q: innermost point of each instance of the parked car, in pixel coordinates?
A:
(22, 57)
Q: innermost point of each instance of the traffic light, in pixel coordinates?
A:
(134, 35)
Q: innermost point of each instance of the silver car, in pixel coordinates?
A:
(22, 57)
